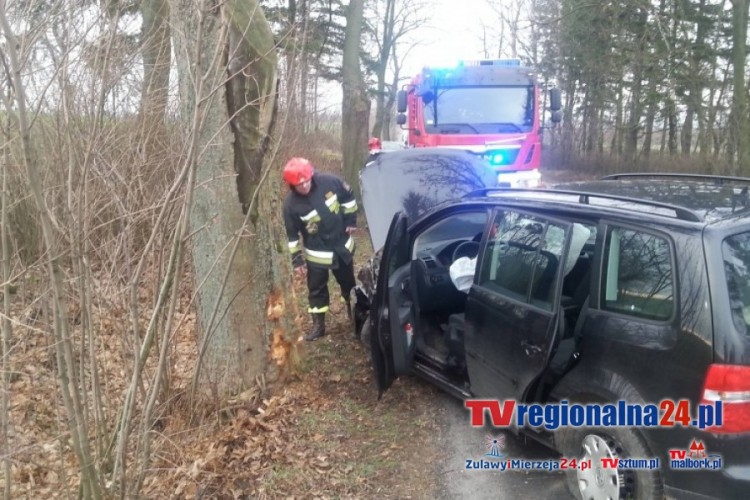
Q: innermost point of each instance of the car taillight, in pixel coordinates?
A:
(729, 384)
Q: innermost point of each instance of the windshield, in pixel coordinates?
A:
(479, 110)
(736, 253)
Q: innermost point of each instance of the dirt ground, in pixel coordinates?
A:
(325, 435)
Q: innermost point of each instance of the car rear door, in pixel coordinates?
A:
(392, 344)
(513, 308)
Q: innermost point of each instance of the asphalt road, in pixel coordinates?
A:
(459, 442)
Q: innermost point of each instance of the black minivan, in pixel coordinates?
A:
(634, 288)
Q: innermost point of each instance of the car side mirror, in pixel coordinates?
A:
(401, 101)
(555, 100)
(401, 119)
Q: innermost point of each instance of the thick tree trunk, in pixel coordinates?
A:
(686, 134)
(671, 117)
(377, 128)
(250, 90)
(157, 53)
(617, 135)
(238, 267)
(648, 136)
(739, 116)
(355, 109)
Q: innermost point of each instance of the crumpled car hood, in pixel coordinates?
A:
(416, 180)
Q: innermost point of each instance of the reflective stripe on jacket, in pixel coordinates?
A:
(321, 218)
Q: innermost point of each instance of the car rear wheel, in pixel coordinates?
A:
(599, 482)
(598, 447)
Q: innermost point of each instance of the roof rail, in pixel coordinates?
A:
(681, 213)
(718, 179)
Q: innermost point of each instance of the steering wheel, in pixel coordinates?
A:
(466, 249)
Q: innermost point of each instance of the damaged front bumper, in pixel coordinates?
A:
(364, 293)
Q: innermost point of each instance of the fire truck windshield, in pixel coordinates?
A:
(475, 110)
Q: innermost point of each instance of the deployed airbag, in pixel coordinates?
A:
(462, 273)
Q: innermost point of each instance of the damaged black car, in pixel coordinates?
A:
(634, 288)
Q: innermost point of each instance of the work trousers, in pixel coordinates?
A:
(317, 285)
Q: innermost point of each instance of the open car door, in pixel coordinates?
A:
(392, 345)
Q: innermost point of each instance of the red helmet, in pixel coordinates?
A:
(297, 170)
(373, 143)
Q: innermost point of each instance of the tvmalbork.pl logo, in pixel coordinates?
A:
(694, 457)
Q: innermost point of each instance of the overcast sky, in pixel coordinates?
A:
(454, 34)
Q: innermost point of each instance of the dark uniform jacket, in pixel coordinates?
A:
(321, 217)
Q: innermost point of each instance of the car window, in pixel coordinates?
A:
(736, 253)
(522, 258)
(638, 275)
(465, 226)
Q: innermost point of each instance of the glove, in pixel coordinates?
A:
(298, 262)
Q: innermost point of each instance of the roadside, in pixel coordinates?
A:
(413, 443)
(349, 443)
(459, 442)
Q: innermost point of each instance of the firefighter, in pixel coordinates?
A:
(374, 148)
(322, 209)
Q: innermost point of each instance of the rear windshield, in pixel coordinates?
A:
(736, 252)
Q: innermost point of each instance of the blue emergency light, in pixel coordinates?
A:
(502, 155)
(497, 159)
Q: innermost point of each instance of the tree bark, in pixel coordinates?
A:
(384, 53)
(250, 90)
(239, 265)
(739, 115)
(355, 109)
(157, 54)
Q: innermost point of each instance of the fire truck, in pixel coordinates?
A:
(490, 107)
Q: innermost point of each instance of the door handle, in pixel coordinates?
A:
(531, 349)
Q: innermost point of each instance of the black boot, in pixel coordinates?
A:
(318, 328)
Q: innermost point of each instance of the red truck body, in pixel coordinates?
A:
(490, 107)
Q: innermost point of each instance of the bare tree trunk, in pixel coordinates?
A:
(568, 126)
(739, 116)
(238, 269)
(5, 324)
(391, 101)
(634, 122)
(686, 134)
(671, 117)
(355, 110)
(617, 133)
(650, 119)
(291, 52)
(304, 66)
(250, 91)
(157, 53)
(380, 99)
(384, 54)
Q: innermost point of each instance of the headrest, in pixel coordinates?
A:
(579, 238)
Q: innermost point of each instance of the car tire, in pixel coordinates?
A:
(601, 483)
(595, 443)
